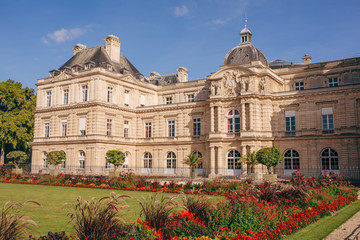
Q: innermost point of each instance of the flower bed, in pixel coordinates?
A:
(249, 211)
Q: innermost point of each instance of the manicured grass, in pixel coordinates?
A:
(49, 216)
(322, 228)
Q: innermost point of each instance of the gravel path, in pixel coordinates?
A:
(350, 230)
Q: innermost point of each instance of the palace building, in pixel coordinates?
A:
(98, 101)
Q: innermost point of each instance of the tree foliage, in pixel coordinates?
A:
(115, 157)
(55, 157)
(193, 160)
(250, 159)
(16, 158)
(270, 157)
(17, 105)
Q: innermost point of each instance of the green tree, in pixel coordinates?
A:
(270, 157)
(16, 158)
(115, 157)
(193, 160)
(17, 105)
(250, 159)
(55, 157)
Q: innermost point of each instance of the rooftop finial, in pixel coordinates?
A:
(245, 21)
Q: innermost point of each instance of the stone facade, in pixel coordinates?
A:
(310, 111)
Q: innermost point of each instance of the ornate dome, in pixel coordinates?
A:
(245, 52)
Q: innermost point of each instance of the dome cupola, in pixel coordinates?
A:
(245, 52)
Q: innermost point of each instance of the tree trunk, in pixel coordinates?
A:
(2, 156)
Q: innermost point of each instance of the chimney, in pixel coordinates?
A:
(306, 59)
(78, 47)
(112, 46)
(182, 74)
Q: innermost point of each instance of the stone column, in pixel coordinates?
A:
(219, 128)
(220, 161)
(212, 162)
(243, 164)
(251, 117)
(211, 119)
(243, 117)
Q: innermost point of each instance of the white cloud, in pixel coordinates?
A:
(63, 35)
(220, 21)
(181, 11)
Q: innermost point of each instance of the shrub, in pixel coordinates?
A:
(12, 224)
(95, 219)
(52, 236)
(115, 157)
(200, 205)
(55, 157)
(157, 212)
(16, 158)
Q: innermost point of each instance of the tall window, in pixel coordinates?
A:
(333, 82)
(126, 163)
(191, 97)
(290, 120)
(48, 98)
(109, 127)
(47, 129)
(196, 126)
(327, 118)
(171, 128)
(147, 160)
(142, 100)
(81, 159)
(171, 160)
(299, 85)
(127, 98)
(126, 128)
(233, 121)
(198, 154)
(66, 96)
(63, 127)
(233, 159)
(291, 160)
(82, 126)
(329, 159)
(148, 129)
(62, 163)
(168, 100)
(84, 93)
(44, 160)
(110, 94)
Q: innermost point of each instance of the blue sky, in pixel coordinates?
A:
(38, 36)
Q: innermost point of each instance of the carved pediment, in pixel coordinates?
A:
(62, 76)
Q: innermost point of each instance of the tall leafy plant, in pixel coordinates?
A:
(270, 157)
(250, 159)
(193, 160)
(55, 158)
(16, 158)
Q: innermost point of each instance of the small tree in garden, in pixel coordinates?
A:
(55, 157)
(193, 160)
(250, 160)
(270, 157)
(115, 157)
(16, 158)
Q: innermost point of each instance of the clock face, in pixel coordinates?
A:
(231, 83)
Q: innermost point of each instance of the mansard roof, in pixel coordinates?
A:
(100, 58)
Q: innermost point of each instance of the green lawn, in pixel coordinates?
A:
(322, 228)
(49, 216)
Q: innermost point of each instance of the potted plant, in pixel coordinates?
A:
(16, 158)
(251, 160)
(193, 160)
(270, 157)
(55, 158)
(117, 158)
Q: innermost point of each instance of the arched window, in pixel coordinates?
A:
(44, 159)
(126, 163)
(147, 160)
(291, 160)
(233, 121)
(199, 166)
(171, 160)
(329, 159)
(81, 159)
(233, 158)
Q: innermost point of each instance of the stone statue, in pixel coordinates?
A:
(262, 84)
(249, 83)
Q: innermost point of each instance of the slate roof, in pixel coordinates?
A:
(100, 58)
(279, 63)
(165, 79)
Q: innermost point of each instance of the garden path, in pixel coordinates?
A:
(350, 230)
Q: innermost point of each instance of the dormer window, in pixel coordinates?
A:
(89, 65)
(54, 73)
(109, 67)
(76, 68)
